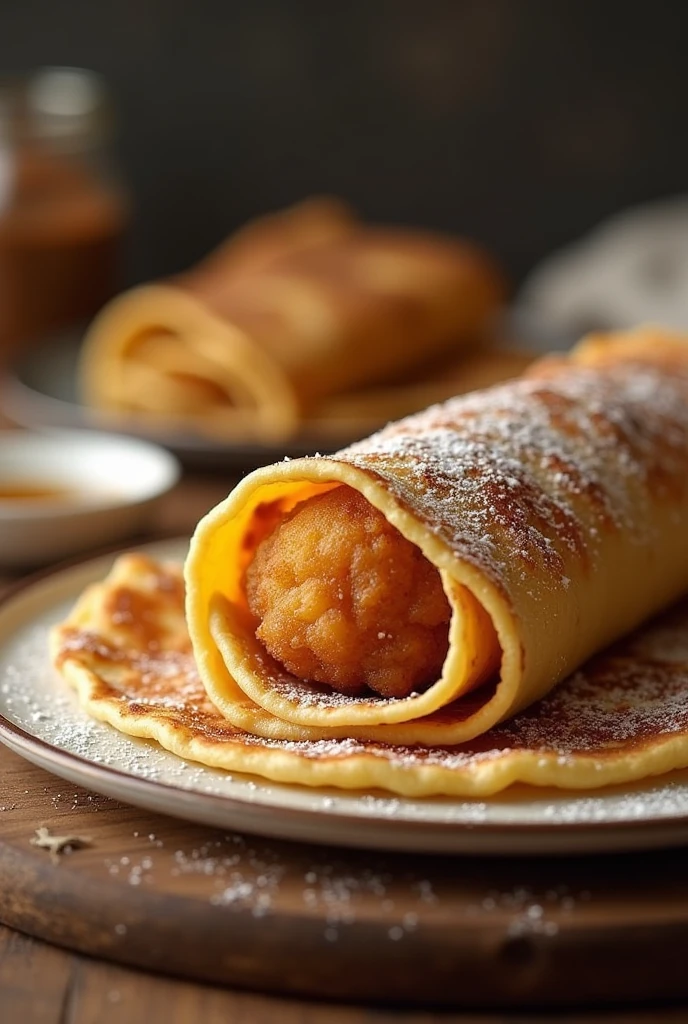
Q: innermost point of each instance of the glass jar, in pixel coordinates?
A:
(63, 208)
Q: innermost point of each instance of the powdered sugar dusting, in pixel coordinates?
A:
(313, 695)
(533, 471)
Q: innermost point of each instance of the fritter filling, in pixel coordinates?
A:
(343, 599)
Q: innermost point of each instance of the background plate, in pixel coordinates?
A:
(40, 719)
(41, 391)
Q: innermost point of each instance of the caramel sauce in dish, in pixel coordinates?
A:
(40, 493)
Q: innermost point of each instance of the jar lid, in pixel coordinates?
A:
(63, 105)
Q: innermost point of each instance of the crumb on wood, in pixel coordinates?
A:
(57, 845)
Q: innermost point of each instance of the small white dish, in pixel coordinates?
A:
(65, 491)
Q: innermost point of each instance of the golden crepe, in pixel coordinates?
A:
(622, 717)
(297, 307)
(552, 511)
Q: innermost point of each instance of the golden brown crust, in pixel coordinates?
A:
(539, 460)
(311, 223)
(383, 299)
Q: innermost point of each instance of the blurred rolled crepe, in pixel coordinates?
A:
(295, 308)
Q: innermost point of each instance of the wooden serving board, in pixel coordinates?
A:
(201, 904)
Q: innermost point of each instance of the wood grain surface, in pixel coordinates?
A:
(40, 984)
(159, 894)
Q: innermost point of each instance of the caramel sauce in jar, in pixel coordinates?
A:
(63, 212)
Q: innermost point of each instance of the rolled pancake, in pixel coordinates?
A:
(554, 508)
(297, 307)
(624, 716)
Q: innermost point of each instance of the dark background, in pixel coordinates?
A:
(520, 122)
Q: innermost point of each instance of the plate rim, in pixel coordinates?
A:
(20, 740)
(24, 739)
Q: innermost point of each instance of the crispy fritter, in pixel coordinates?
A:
(344, 599)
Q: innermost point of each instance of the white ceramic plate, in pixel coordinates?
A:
(40, 719)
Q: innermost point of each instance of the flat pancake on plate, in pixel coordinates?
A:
(623, 716)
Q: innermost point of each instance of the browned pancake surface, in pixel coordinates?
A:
(127, 641)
